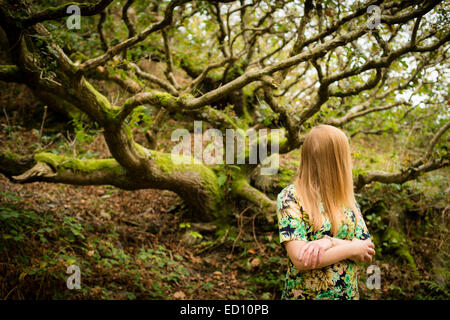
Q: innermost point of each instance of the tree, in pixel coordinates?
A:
(250, 64)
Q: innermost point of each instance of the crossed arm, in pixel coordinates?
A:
(307, 255)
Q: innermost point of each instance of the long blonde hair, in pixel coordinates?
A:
(325, 176)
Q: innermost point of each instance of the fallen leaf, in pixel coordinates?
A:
(255, 262)
(179, 295)
(105, 215)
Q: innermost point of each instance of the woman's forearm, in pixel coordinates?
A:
(330, 256)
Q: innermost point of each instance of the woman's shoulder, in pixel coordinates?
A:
(288, 203)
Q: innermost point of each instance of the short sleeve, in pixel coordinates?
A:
(290, 223)
(361, 231)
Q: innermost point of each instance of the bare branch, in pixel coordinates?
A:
(253, 75)
(101, 31)
(414, 31)
(352, 115)
(125, 82)
(298, 45)
(433, 142)
(169, 61)
(385, 61)
(151, 134)
(163, 84)
(427, 6)
(290, 85)
(402, 176)
(222, 33)
(285, 116)
(377, 132)
(359, 12)
(87, 9)
(358, 89)
(112, 51)
(126, 19)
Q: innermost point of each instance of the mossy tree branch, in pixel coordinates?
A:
(114, 50)
(197, 184)
(10, 73)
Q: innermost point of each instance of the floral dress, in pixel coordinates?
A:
(334, 282)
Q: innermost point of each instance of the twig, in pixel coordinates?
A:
(6, 115)
(240, 226)
(254, 233)
(42, 124)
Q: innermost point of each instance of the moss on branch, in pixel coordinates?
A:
(13, 164)
(10, 73)
(109, 111)
(61, 163)
(182, 164)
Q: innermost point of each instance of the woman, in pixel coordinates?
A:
(320, 224)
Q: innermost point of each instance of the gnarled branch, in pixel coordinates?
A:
(86, 9)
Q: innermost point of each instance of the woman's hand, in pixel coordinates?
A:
(310, 254)
(364, 250)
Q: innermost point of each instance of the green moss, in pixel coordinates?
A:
(9, 70)
(67, 107)
(128, 131)
(241, 187)
(50, 158)
(89, 166)
(164, 99)
(185, 96)
(78, 56)
(166, 164)
(10, 155)
(143, 152)
(279, 139)
(108, 110)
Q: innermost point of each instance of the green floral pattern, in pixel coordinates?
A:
(334, 282)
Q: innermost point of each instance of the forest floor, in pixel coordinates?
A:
(143, 245)
(100, 228)
(128, 244)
